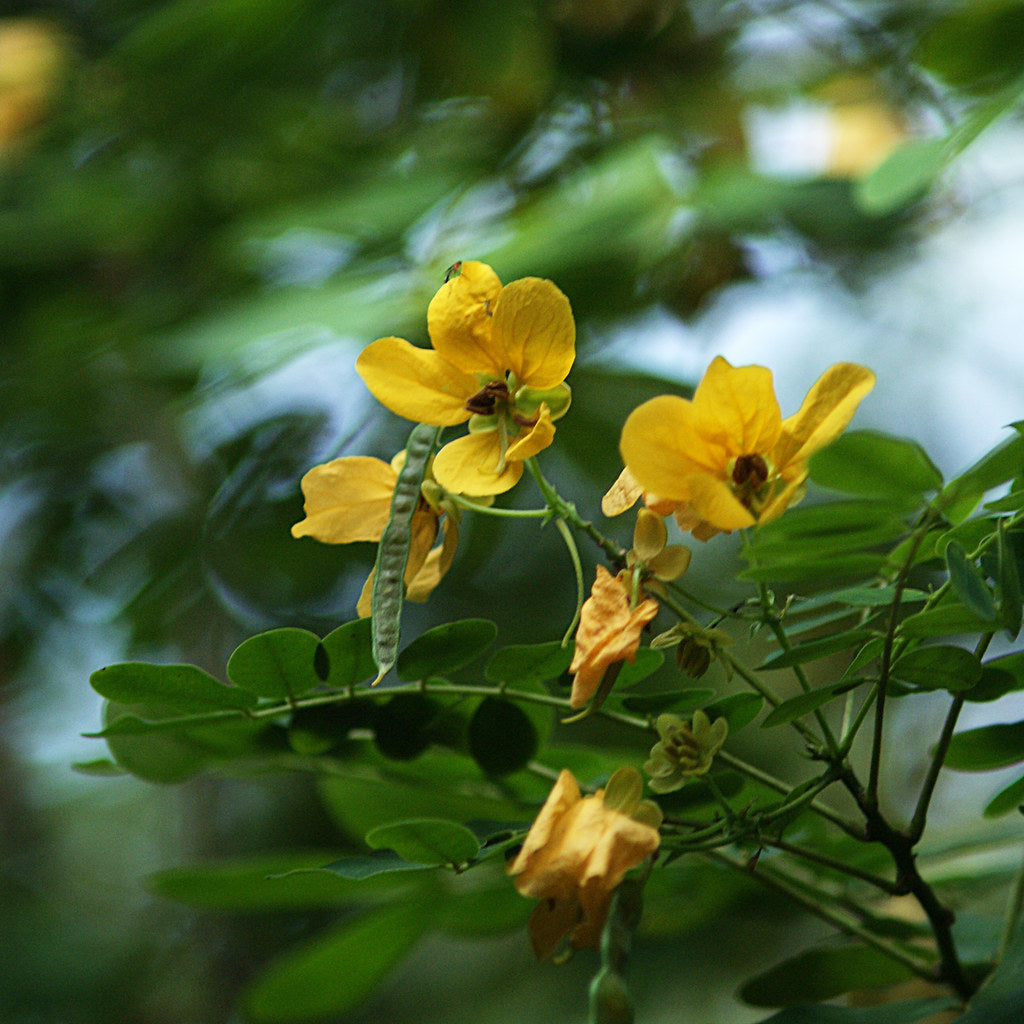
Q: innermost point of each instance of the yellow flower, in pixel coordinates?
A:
(500, 357)
(652, 553)
(576, 854)
(684, 750)
(727, 459)
(609, 632)
(349, 500)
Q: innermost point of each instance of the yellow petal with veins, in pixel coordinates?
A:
(657, 443)
(416, 382)
(347, 500)
(533, 440)
(469, 465)
(459, 320)
(825, 413)
(735, 409)
(714, 503)
(534, 333)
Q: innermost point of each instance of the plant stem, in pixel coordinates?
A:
(1013, 911)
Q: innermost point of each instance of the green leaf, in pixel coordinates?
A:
(646, 663)
(1005, 462)
(1010, 611)
(905, 175)
(426, 841)
(987, 747)
(888, 1013)
(349, 654)
(183, 689)
(968, 584)
(370, 865)
(804, 703)
(797, 567)
(332, 974)
(738, 709)
(277, 664)
(528, 663)
(939, 667)
(170, 757)
(812, 650)
(995, 682)
(867, 462)
(820, 974)
(291, 880)
(501, 736)
(446, 648)
(656, 701)
(946, 620)
(1006, 800)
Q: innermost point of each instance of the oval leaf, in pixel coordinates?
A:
(1006, 800)
(868, 462)
(986, 748)
(804, 703)
(426, 841)
(349, 654)
(446, 648)
(183, 689)
(656, 701)
(278, 664)
(967, 582)
(501, 736)
(529, 663)
(811, 650)
(940, 667)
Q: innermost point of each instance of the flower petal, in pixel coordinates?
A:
(650, 535)
(825, 413)
(468, 465)
(661, 448)
(459, 320)
(736, 408)
(435, 565)
(347, 500)
(534, 333)
(564, 794)
(534, 440)
(416, 382)
(713, 501)
(622, 495)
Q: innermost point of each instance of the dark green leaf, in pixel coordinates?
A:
(183, 689)
(939, 667)
(867, 462)
(888, 1013)
(171, 757)
(994, 683)
(369, 865)
(1005, 462)
(946, 620)
(426, 841)
(812, 650)
(275, 881)
(402, 727)
(529, 663)
(804, 703)
(795, 568)
(823, 974)
(501, 737)
(446, 648)
(349, 654)
(277, 664)
(1006, 800)
(968, 584)
(738, 709)
(1010, 611)
(101, 767)
(646, 663)
(987, 747)
(656, 701)
(333, 973)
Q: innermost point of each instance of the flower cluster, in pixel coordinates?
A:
(577, 852)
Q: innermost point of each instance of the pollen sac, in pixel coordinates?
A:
(750, 471)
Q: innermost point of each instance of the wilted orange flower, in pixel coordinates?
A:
(576, 854)
(727, 459)
(499, 360)
(609, 632)
(349, 500)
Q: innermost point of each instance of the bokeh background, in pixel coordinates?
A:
(208, 207)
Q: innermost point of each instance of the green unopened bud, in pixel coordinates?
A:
(693, 657)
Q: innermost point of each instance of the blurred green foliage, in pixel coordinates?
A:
(200, 198)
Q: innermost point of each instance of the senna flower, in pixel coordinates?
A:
(349, 499)
(684, 750)
(499, 360)
(727, 459)
(577, 852)
(609, 632)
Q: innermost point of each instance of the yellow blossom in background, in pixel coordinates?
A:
(349, 500)
(727, 458)
(609, 632)
(576, 854)
(499, 360)
(684, 750)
